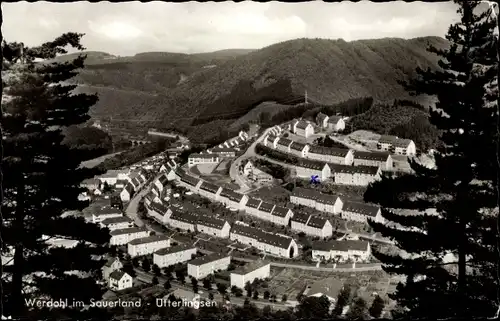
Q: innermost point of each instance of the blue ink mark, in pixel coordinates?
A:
(314, 179)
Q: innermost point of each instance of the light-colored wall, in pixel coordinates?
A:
(239, 280)
(201, 271)
(147, 248)
(173, 258)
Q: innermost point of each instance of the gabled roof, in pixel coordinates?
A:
(110, 262)
(163, 179)
(204, 156)
(188, 179)
(302, 124)
(311, 164)
(184, 217)
(284, 142)
(160, 208)
(174, 249)
(332, 151)
(261, 236)
(334, 119)
(209, 187)
(103, 211)
(136, 182)
(300, 218)
(91, 181)
(253, 202)
(394, 140)
(367, 170)
(207, 259)
(211, 222)
(232, 195)
(316, 222)
(271, 138)
(375, 156)
(149, 239)
(321, 117)
(223, 150)
(280, 211)
(115, 220)
(117, 275)
(353, 245)
(298, 146)
(129, 230)
(266, 207)
(250, 267)
(360, 208)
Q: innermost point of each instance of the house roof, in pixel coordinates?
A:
(160, 208)
(174, 249)
(223, 150)
(103, 211)
(232, 195)
(211, 221)
(115, 220)
(129, 188)
(136, 182)
(193, 181)
(250, 267)
(261, 236)
(298, 146)
(332, 151)
(353, 245)
(149, 239)
(163, 179)
(302, 124)
(253, 202)
(271, 138)
(334, 119)
(300, 218)
(366, 170)
(117, 275)
(129, 230)
(394, 140)
(184, 217)
(110, 262)
(316, 222)
(266, 207)
(360, 208)
(209, 187)
(280, 211)
(284, 142)
(204, 156)
(321, 117)
(121, 182)
(207, 259)
(375, 156)
(311, 164)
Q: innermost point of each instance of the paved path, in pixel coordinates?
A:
(132, 206)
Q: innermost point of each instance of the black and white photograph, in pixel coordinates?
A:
(250, 160)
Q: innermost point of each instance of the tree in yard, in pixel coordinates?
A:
(266, 294)
(41, 179)
(167, 285)
(135, 262)
(179, 274)
(313, 308)
(146, 265)
(273, 298)
(194, 283)
(207, 284)
(211, 296)
(222, 288)
(155, 281)
(255, 295)
(156, 270)
(343, 299)
(284, 298)
(452, 276)
(377, 307)
(129, 269)
(248, 288)
(358, 310)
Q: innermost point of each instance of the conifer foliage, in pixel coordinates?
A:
(447, 246)
(41, 179)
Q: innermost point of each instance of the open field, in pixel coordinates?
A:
(220, 180)
(206, 168)
(223, 167)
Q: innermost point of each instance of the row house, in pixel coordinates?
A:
(375, 159)
(105, 212)
(322, 120)
(276, 130)
(336, 123)
(183, 221)
(299, 149)
(223, 152)
(136, 183)
(123, 236)
(190, 182)
(147, 245)
(341, 251)
(311, 225)
(195, 159)
(113, 264)
(159, 212)
(168, 166)
(90, 184)
(281, 215)
(321, 202)
(397, 145)
(243, 136)
(161, 182)
(277, 245)
(121, 183)
(233, 199)
(127, 192)
(283, 145)
(361, 212)
(248, 273)
(309, 169)
(115, 223)
(252, 207)
(209, 190)
(111, 176)
(213, 226)
(332, 155)
(248, 168)
(271, 141)
(355, 175)
(172, 255)
(152, 197)
(204, 266)
(303, 128)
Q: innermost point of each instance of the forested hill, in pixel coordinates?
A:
(163, 89)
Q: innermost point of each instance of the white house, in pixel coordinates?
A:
(281, 215)
(147, 245)
(248, 168)
(303, 128)
(195, 159)
(202, 267)
(311, 225)
(159, 212)
(361, 212)
(115, 223)
(223, 152)
(105, 212)
(233, 199)
(170, 165)
(341, 251)
(252, 206)
(336, 123)
(374, 159)
(111, 176)
(123, 236)
(183, 221)
(299, 149)
(213, 226)
(332, 155)
(283, 145)
(111, 265)
(308, 169)
(127, 192)
(119, 280)
(271, 141)
(161, 182)
(397, 145)
(355, 175)
(209, 190)
(322, 120)
(248, 273)
(173, 255)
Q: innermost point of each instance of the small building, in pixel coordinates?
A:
(168, 166)
(159, 212)
(127, 192)
(314, 199)
(252, 206)
(355, 175)
(374, 159)
(309, 169)
(303, 128)
(209, 190)
(248, 168)
(255, 270)
(271, 141)
(330, 288)
(123, 236)
(332, 155)
(311, 225)
(213, 226)
(283, 145)
(336, 123)
(195, 159)
(190, 182)
(147, 245)
(299, 149)
(202, 267)
(115, 223)
(173, 255)
(322, 120)
(183, 221)
(113, 264)
(119, 280)
(161, 182)
(341, 251)
(104, 213)
(223, 152)
(281, 215)
(361, 212)
(397, 145)
(233, 199)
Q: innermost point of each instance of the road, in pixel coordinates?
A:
(132, 206)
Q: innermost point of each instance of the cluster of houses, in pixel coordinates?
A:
(341, 251)
(254, 173)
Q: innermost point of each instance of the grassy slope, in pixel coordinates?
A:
(330, 70)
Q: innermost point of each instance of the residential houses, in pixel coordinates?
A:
(248, 273)
(190, 182)
(159, 212)
(111, 176)
(209, 190)
(336, 123)
(168, 166)
(223, 152)
(274, 244)
(355, 175)
(322, 120)
(115, 223)
(298, 149)
(332, 155)
(361, 212)
(147, 245)
(173, 255)
(283, 145)
(119, 280)
(303, 128)
(213, 226)
(105, 212)
(311, 225)
(271, 141)
(127, 192)
(375, 159)
(202, 267)
(281, 215)
(397, 145)
(111, 265)
(314, 199)
(233, 199)
(123, 236)
(91, 184)
(248, 168)
(195, 159)
(308, 169)
(183, 221)
(341, 251)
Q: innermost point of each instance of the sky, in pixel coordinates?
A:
(129, 28)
